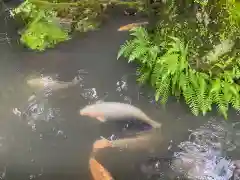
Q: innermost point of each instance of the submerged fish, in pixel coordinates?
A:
(102, 143)
(131, 26)
(106, 111)
(142, 140)
(48, 82)
(98, 171)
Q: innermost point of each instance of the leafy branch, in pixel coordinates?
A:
(167, 67)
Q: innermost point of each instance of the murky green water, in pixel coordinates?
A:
(59, 147)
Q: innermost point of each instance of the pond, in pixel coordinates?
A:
(56, 143)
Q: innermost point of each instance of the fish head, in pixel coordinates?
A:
(105, 110)
(39, 82)
(93, 111)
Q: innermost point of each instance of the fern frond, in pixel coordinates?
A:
(140, 33)
(217, 97)
(144, 74)
(183, 81)
(137, 53)
(190, 98)
(125, 49)
(204, 100)
(175, 82)
(163, 87)
(222, 105)
(171, 62)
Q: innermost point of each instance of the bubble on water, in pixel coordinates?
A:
(32, 97)
(31, 176)
(238, 113)
(40, 111)
(118, 89)
(17, 112)
(33, 125)
(80, 77)
(112, 137)
(170, 145)
(3, 174)
(60, 132)
(203, 157)
(90, 93)
(82, 71)
(121, 86)
(128, 99)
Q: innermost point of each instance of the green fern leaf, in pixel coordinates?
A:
(190, 98)
(171, 61)
(125, 49)
(163, 90)
(138, 53)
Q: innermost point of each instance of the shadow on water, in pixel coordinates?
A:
(60, 147)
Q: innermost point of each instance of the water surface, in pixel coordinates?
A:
(59, 147)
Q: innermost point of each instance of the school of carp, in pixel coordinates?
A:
(193, 161)
(201, 159)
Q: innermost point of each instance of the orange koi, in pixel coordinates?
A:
(131, 26)
(102, 143)
(98, 171)
(143, 140)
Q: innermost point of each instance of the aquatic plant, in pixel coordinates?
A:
(41, 30)
(189, 57)
(47, 23)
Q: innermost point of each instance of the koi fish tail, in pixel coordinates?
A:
(98, 171)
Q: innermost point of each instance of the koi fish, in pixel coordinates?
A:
(48, 82)
(98, 171)
(106, 111)
(141, 141)
(132, 26)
